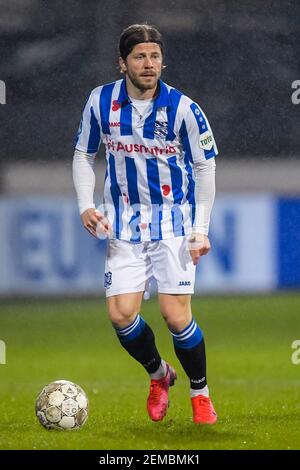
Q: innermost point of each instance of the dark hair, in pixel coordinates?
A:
(137, 33)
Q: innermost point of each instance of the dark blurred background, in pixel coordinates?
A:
(237, 59)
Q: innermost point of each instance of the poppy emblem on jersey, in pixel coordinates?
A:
(166, 189)
(115, 105)
(107, 279)
(126, 198)
(160, 128)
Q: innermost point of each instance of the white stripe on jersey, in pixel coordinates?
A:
(165, 176)
(144, 196)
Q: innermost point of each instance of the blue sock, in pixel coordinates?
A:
(138, 340)
(131, 331)
(190, 349)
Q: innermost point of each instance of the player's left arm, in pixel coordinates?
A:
(200, 144)
(204, 177)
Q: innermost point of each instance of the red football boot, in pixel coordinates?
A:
(203, 410)
(158, 402)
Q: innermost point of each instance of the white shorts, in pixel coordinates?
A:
(129, 266)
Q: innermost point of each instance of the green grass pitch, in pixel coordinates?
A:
(253, 383)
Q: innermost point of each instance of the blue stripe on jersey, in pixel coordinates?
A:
(177, 221)
(200, 119)
(78, 132)
(105, 178)
(183, 133)
(126, 119)
(174, 96)
(105, 103)
(81, 122)
(134, 199)
(94, 137)
(188, 159)
(116, 196)
(131, 174)
(176, 178)
(202, 125)
(156, 198)
(149, 126)
(163, 98)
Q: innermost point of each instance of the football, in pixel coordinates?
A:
(62, 405)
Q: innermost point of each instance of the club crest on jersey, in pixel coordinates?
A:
(160, 129)
(206, 140)
(107, 279)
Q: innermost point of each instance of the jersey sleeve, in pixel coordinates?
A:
(88, 137)
(197, 137)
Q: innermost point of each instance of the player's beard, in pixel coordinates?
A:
(140, 84)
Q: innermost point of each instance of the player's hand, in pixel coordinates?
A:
(199, 245)
(96, 223)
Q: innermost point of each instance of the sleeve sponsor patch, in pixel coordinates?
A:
(206, 140)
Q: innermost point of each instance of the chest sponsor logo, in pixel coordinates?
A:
(139, 148)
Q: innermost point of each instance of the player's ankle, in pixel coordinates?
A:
(160, 372)
(201, 391)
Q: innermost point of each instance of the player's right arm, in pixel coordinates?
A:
(84, 181)
(87, 146)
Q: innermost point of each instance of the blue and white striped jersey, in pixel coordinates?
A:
(149, 185)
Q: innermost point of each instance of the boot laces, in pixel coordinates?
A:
(155, 392)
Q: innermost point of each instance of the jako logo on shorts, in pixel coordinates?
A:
(184, 283)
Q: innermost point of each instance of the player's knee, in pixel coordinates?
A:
(179, 322)
(121, 316)
(123, 309)
(177, 312)
(177, 317)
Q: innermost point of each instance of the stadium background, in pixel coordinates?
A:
(239, 62)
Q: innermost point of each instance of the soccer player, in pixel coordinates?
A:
(158, 195)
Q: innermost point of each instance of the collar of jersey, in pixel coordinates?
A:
(160, 101)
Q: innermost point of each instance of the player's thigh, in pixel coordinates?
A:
(123, 308)
(172, 266)
(176, 310)
(127, 268)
